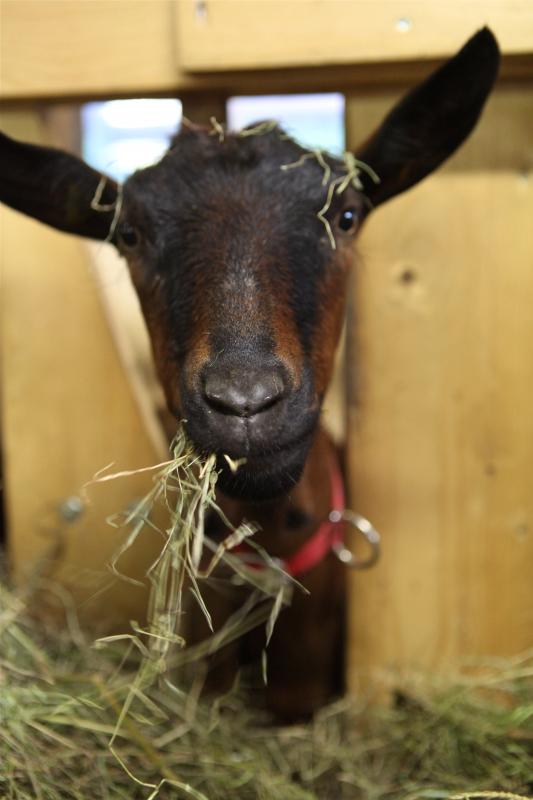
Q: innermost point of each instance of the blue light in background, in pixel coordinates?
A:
(121, 136)
(314, 120)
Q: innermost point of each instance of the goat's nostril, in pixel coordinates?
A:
(243, 395)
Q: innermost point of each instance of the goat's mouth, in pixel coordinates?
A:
(259, 477)
(261, 447)
(256, 474)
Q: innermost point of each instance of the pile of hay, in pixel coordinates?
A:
(119, 721)
(60, 700)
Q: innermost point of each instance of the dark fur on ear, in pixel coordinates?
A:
(432, 120)
(54, 187)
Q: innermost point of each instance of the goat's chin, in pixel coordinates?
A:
(254, 467)
(253, 484)
(263, 478)
(258, 486)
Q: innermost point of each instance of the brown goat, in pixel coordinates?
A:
(240, 264)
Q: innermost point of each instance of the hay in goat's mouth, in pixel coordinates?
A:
(119, 720)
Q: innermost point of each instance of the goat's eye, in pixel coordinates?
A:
(127, 236)
(348, 220)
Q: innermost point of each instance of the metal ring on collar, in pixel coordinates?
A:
(367, 530)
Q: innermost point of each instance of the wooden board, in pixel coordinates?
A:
(440, 420)
(108, 48)
(246, 34)
(80, 46)
(67, 411)
(130, 338)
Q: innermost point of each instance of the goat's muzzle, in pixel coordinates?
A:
(256, 416)
(243, 393)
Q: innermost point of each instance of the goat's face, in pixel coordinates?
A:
(243, 293)
(238, 278)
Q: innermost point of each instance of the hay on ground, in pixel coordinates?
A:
(119, 721)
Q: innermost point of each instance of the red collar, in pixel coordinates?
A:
(328, 535)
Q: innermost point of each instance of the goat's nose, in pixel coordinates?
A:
(243, 393)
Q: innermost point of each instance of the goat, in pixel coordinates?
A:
(239, 246)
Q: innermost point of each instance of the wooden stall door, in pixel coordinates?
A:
(441, 398)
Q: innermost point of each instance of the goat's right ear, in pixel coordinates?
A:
(56, 188)
(430, 123)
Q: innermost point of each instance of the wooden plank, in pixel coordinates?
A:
(246, 34)
(82, 46)
(119, 48)
(440, 423)
(130, 338)
(67, 411)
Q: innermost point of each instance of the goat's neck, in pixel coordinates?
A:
(286, 522)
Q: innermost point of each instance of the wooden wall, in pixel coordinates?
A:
(67, 411)
(209, 36)
(439, 375)
(57, 48)
(440, 396)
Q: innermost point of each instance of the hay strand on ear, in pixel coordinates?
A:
(115, 206)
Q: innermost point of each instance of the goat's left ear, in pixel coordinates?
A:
(56, 188)
(428, 125)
